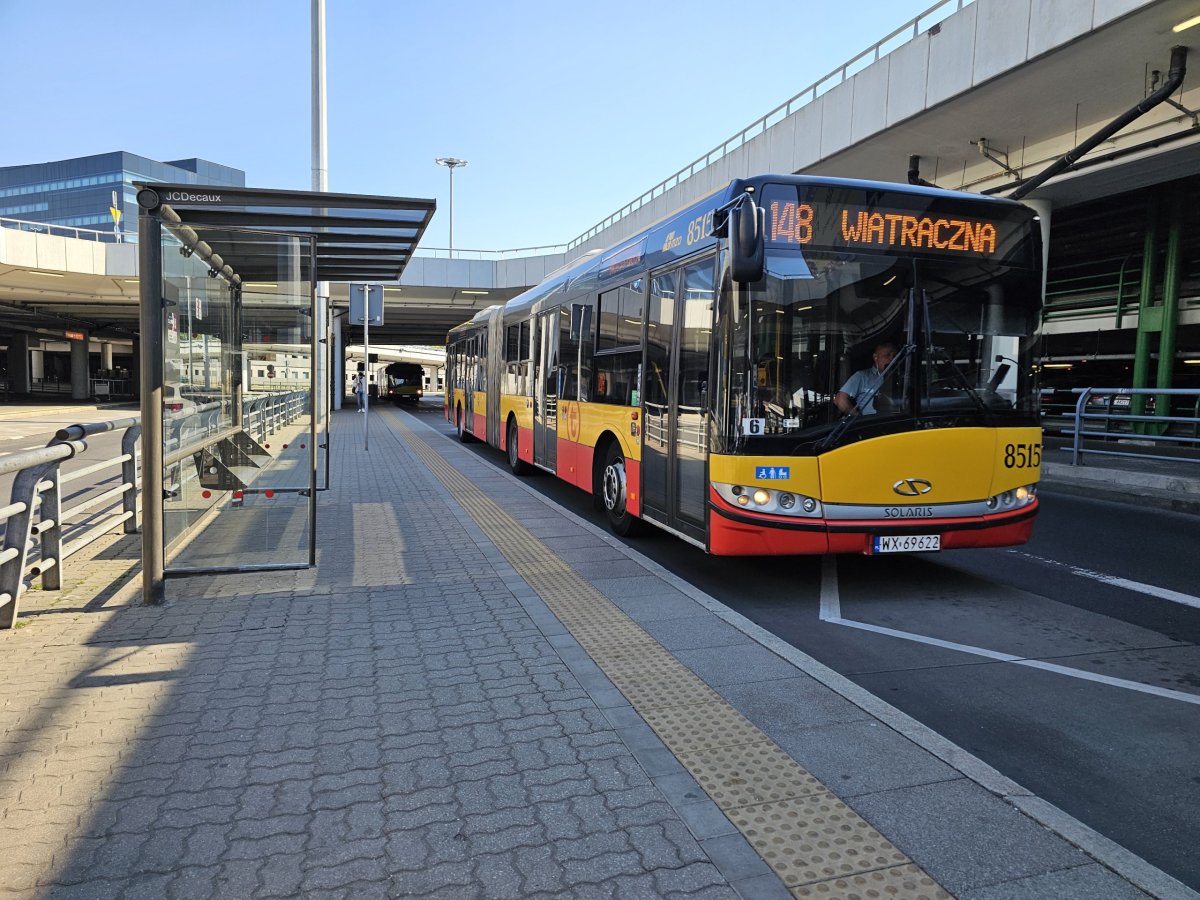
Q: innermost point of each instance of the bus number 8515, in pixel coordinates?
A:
(1021, 456)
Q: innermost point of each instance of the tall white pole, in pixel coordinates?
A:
(365, 387)
(320, 182)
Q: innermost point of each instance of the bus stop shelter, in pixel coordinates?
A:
(235, 364)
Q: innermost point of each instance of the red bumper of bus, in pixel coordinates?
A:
(735, 532)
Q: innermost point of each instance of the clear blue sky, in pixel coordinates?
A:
(565, 111)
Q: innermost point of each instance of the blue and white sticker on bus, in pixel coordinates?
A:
(772, 473)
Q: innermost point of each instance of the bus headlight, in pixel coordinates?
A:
(765, 500)
(1013, 499)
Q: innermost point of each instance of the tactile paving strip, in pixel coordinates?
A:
(748, 774)
(815, 838)
(899, 881)
(816, 844)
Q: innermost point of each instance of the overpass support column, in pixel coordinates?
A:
(20, 365)
(106, 356)
(81, 384)
(1172, 276)
(1154, 317)
(1149, 318)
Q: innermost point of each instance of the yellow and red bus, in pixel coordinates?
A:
(792, 365)
(401, 382)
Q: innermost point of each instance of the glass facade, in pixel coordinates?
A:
(78, 192)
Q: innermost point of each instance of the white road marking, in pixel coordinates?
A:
(1149, 589)
(831, 611)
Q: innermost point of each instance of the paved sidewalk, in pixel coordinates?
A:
(476, 695)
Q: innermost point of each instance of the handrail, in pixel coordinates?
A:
(84, 234)
(34, 518)
(1082, 415)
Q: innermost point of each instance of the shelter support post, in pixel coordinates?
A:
(151, 370)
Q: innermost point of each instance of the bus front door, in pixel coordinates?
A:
(675, 399)
(545, 394)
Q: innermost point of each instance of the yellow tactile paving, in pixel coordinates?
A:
(815, 838)
(667, 692)
(748, 774)
(899, 881)
(816, 844)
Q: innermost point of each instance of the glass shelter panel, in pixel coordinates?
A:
(238, 422)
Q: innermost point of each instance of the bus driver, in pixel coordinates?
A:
(851, 397)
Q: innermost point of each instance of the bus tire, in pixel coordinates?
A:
(614, 494)
(518, 465)
(464, 436)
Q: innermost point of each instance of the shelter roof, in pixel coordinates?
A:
(358, 237)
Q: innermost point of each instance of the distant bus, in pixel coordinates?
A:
(402, 382)
(696, 376)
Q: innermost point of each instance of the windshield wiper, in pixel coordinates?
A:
(840, 429)
(940, 352)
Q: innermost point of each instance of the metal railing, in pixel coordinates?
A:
(1105, 416)
(35, 508)
(459, 253)
(881, 48)
(37, 536)
(262, 416)
(83, 234)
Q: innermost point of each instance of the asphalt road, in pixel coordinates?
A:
(1071, 664)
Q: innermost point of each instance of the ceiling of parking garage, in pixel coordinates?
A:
(1069, 93)
(1090, 81)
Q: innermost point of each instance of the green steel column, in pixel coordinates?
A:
(1141, 353)
(1172, 274)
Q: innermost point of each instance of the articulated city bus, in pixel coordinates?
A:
(792, 365)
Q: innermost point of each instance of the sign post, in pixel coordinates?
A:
(366, 306)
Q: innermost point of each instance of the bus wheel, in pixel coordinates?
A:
(518, 465)
(613, 493)
(464, 436)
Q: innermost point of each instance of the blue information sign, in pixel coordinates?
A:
(772, 473)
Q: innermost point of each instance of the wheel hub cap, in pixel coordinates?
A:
(614, 487)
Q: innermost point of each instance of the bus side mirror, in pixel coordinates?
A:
(747, 229)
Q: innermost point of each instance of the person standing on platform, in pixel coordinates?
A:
(359, 385)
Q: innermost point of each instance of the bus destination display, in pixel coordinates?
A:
(830, 225)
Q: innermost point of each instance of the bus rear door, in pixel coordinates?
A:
(545, 401)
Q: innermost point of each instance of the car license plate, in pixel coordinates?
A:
(908, 543)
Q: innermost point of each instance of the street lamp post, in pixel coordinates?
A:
(451, 163)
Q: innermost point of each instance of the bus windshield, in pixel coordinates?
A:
(409, 375)
(837, 346)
